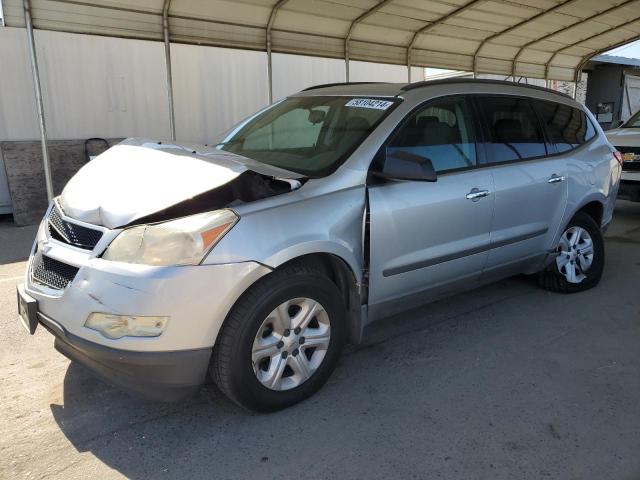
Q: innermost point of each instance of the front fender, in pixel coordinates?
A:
(348, 255)
(329, 223)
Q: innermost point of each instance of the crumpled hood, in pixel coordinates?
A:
(139, 177)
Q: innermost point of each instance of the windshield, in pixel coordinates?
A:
(312, 136)
(633, 122)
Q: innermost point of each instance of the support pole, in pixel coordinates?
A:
(167, 59)
(346, 59)
(347, 38)
(272, 19)
(577, 78)
(269, 67)
(38, 92)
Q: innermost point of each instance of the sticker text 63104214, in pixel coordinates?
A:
(369, 103)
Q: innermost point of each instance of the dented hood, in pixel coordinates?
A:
(138, 177)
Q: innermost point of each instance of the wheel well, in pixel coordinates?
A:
(595, 210)
(340, 273)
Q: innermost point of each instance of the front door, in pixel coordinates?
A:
(425, 237)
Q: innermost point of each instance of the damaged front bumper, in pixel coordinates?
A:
(196, 300)
(156, 376)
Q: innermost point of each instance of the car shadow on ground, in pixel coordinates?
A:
(16, 241)
(143, 439)
(506, 375)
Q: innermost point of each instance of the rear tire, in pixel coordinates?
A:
(255, 345)
(580, 261)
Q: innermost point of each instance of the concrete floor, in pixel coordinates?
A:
(504, 382)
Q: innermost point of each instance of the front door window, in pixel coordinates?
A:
(442, 132)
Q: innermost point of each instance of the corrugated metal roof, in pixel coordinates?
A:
(532, 38)
(634, 62)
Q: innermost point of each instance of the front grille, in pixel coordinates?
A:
(51, 272)
(71, 233)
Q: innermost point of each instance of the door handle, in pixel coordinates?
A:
(476, 194)
(556, 178)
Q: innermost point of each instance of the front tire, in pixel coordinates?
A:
(580, 259)
(281, 340)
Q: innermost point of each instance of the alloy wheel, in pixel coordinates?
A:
(575, 254)
(291, 344)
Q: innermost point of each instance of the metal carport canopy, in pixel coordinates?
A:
(550, 39)
(530, 38)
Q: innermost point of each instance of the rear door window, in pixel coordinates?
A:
(443, 132)
(514, 129)
(568, 127)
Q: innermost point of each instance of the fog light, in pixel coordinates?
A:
(118, 326)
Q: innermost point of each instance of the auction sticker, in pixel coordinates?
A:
(369, 103)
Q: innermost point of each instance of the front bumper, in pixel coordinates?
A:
(158, 376)
(195, 298)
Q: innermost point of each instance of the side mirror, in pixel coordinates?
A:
(407, 166)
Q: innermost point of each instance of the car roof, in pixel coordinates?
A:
(369, 89)
(379, 89)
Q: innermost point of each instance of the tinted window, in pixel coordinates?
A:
(443, 132)
(567, 127)
(515, 131)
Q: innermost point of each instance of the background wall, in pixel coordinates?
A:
(110, 87)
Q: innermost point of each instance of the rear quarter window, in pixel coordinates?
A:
(567, 127)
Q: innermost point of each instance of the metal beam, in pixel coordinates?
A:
(603, 50)
(353, 25)
(512, 28)
(26, 4)
(556, 32)
(167, 60)
(567, 47)
(272, 18)
(432, 25)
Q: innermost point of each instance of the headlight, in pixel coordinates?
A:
(178, 242)
(118, 326)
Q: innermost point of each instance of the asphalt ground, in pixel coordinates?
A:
(504, 382)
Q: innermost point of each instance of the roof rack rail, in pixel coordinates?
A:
(484, 81)
(339, 84)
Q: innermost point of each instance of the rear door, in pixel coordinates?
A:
(426, 236)
(530, 182)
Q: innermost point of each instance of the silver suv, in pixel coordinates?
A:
(256, 258)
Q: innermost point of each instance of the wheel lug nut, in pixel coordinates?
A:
(295, 352)
(280, 344)
(285, 354)
(297, 330)
(301, 340)
(287, 332)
